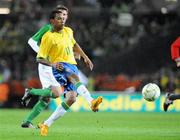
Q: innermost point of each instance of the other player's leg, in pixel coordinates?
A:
(169, 98)
(72, 74)
(47, 79)
(84, 92)
(59, 112)
(37, 109)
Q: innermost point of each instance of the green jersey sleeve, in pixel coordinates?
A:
(38, 35)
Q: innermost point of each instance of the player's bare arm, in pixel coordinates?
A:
(87, 61)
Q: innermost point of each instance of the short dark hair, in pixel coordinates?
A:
(57, 10)
(61, 7)
(53, 14)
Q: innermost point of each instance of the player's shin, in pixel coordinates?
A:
(37, 109)
(59, 112)
(83, 91)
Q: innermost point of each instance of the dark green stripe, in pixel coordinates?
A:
(65, 106)
(78, 84)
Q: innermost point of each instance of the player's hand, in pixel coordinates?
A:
(178, 63)
(77, 56)
(177, 60)
(88, 63)
(58, 66)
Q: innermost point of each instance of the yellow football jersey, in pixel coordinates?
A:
(58, 47)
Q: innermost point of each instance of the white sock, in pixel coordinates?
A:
(83, 91)
(59, 112)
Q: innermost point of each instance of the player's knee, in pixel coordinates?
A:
(56, 91)
(55, 95)
(73, 78)
(45, 99)
(71, 97)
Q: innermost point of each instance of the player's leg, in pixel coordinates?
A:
(72, 74)
(59, 112)
(47, 79)
(169, 98)
(37, 109)
(84, 92)
(51, 92)
(49, 83)
(173, 97)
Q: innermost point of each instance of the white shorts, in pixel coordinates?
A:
(46, 76)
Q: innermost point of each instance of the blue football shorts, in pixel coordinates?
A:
(61, 76)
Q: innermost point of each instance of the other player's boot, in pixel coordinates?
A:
(26, 98)
(43, 129)
(95, 104)
(27, 125)
(167, 102)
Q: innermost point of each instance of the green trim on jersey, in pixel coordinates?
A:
(37, 37)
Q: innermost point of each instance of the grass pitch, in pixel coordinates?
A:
(94, 126)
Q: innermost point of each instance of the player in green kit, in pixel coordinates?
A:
(47, 79)
(43, 102)
(34, 41)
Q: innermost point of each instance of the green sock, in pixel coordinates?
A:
(42, 92)
(65, 106)
(78, 84)
(40, 106)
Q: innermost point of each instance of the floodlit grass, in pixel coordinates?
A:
(94, 126)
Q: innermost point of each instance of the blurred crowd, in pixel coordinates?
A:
(129, 49)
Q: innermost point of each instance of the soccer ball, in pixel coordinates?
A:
(151, 92)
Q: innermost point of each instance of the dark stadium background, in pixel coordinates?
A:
(129, 44)
(128, 41)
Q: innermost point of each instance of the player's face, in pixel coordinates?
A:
(60, 18)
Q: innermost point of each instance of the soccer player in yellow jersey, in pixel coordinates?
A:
(45, 75)
(56, 51)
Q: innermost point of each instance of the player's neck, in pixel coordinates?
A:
(57, 29)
